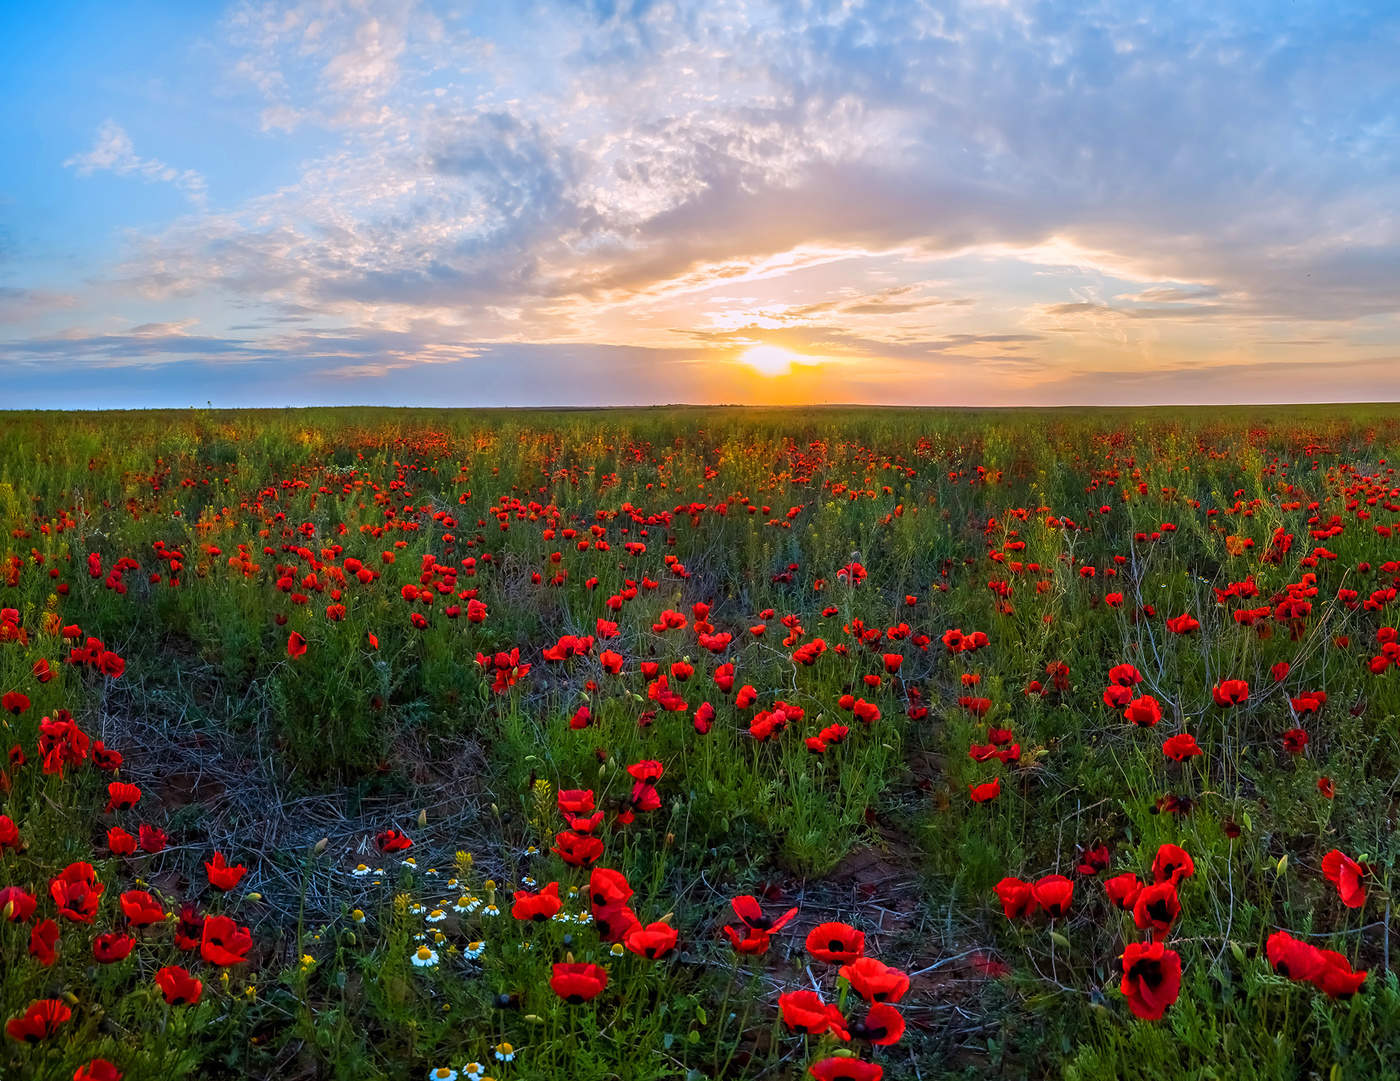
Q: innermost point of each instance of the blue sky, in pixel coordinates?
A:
(347, 201)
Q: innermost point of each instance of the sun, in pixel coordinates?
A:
(770, 359)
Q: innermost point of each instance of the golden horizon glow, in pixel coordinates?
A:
(772, 360)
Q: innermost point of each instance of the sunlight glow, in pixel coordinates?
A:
(770, 359)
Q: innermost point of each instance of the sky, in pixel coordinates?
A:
(991, 202)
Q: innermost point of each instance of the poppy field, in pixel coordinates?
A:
(700, 744)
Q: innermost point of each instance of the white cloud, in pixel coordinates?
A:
(112, 151)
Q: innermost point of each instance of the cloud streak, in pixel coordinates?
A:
(112, 151)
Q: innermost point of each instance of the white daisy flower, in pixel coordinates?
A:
(443, 1073)
(361, 870)
(491, 910)
(505, 1052)
(424, 957)
(473, 1071)
(437, 915)
(474, 950)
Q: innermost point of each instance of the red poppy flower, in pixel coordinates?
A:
(111, 947)
(537, 907)
(391, 841)
(1292, 958)
(875, 981)
(1157, 906)
(17, 905)
(1151, 978)
(575, 801)
(76, 892)
(1181, 746)
(746, 940)
(750, 911)
(104, 758)
(836, 942)
(644, 797)
(42, 941)
(1346, 874)
(1325, 786)
(577, 849)
(607, 887)
(39, 1022)
(1017, 898)
(153, 839)
(1054, 893)
(578, 983)
(1183, 624)
(1124, 675)
(653, 941)
(1172, 864)
(1295, 741)
(9, 832)
(846, 1069)
(223, 942)
(99, 1069)
(296, 644)
(1095, 860)
(122, 796)
(178, 986)
(189, 929)
(613, 922)
(1116, 697)
(14, 702)
(647, 771)
(804, 1011)
(883, 1025)
(1230, 692)
(221, 875)
(1143, 712)
(141, 908)
(119, 842)
(1334, 976)
(1123, 890)
(986, 791)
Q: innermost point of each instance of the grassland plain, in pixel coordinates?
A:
(700, 743)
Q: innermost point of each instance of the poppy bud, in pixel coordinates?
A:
(321, 845)
(422, 818)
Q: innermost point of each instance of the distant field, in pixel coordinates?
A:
(700, 743)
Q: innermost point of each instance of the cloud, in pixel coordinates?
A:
(113, 152)
(18, 305)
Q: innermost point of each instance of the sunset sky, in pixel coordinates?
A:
(980, 203)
